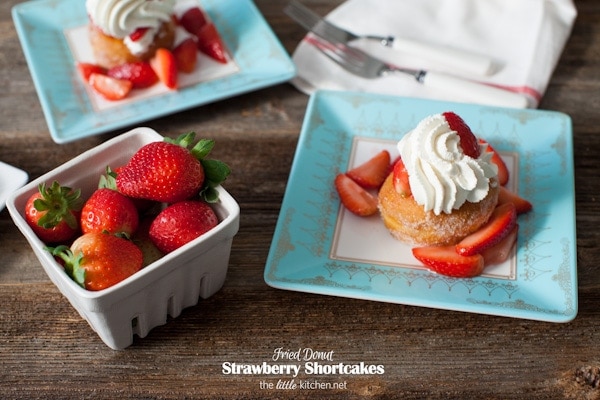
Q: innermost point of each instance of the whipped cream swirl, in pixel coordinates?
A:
(441, 177)
(120, 18)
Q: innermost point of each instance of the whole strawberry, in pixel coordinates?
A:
(168, 171)
(107, 210)
(53, 212)
(97, 261)
(181, 223)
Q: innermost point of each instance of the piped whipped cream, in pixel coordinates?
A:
(120, 18)
(441, 177)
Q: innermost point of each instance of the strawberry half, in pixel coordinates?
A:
(354, 197)
(506, 196)
(468, 141)
(110, 88)
(87, 69)
(499, 253)
(446, 261)
(186, 55)
(165, 66)
(210, 43)
(140, 74)
(503, 174)
(501, 222)
(372, 172)
(192, 20)
(400, 179)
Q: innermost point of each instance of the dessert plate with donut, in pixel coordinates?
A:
(100, 65)
(431, 203)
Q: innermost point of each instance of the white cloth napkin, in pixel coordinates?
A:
(525, 38)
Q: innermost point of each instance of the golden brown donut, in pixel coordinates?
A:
(407, 221)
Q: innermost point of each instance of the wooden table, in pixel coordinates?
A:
(48, 351)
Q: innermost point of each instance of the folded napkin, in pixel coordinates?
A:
(524, 38)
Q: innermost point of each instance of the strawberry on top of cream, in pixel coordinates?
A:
(120, 18)
(441, 176)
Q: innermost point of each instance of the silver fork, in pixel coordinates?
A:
(453, 58)
(364, 65)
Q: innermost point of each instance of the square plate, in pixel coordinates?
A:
(45, 28)
(320, 248)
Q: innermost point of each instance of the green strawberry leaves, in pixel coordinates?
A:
(215, 171)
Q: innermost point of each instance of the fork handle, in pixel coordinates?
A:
(473, 91)
(457, 59)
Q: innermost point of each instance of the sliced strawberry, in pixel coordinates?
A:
(110, 88)
(164, 65)
(186, 55)
(506, 196)
(138, 34)
(400, 179)
(192, 20)
(503, 174)
(372, 172)
(501, 222)
(210, 43)
(139, 73)
(468, 141)
(356, 199)
(87, 69)
(499, 253)
(446, 261)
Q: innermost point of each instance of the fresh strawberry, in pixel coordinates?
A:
(180, 223)
(446, 261)
(97, 261)
(372, 172)
(164, 65)
(400, 179)
(468, 141)
(355, 198)
(53, 212)
(110, 88)
(109, 211)
(138, 34)
(87, 69)
(506, 196)
(168, 171)
(503, 173)
(500, 223)
(210, 42)
(499, 253)
(186, 55)
(192, 20)
(139, 73)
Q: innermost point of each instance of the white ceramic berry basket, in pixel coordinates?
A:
(165, 287)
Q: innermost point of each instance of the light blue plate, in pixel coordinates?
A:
(318, 247)
(41, 26)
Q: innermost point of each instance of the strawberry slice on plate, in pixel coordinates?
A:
(446, 261)
(87, 69)
(503, 173)
(210, 42)
(372, 172)
(140, 73)
(186, 55)
(165, 66)
(110, 88)
(354, 197)
(500, 224)
(192, 20)
(506, 196)
(499, 253)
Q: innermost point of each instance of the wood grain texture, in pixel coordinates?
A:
(47, 351)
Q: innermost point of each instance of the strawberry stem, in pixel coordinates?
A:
(58, 202)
